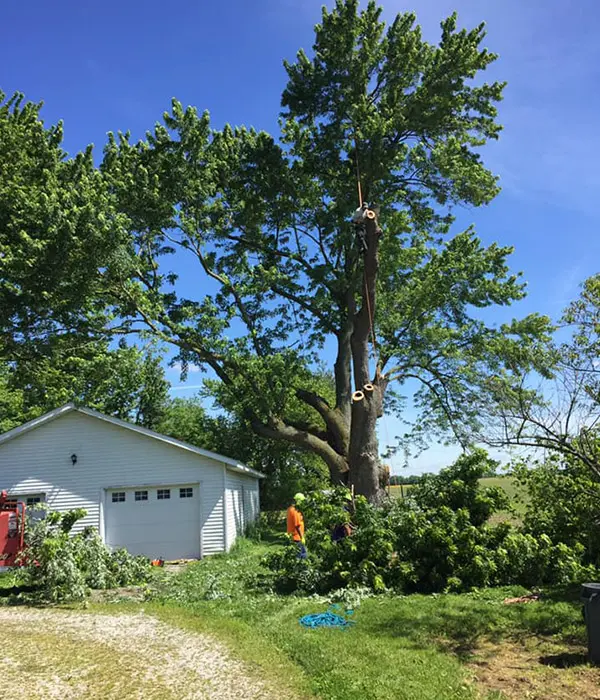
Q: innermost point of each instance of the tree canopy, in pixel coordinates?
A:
(58, 230)
(558, 410)
(282, 279)
(126, 382)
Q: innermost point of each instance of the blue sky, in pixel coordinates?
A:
(109, 66)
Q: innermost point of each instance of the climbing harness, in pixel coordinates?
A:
(331, 618)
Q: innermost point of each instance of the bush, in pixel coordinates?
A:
(436, 540)
(458, 487)
(63, 567)
(563, 503)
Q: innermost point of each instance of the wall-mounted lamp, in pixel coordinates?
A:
(74, 459)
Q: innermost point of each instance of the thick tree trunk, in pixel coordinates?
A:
(364, 462)
(363, 456)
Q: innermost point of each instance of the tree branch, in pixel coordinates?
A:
(278, 430)
(334, 420)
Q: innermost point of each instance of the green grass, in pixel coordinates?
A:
(9, 578)
(401, 647)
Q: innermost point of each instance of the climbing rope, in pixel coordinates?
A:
(331, 618)
(360, 199)
(367, 295)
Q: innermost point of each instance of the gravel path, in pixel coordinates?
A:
(80, 655)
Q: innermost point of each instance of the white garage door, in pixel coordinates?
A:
(158, 522)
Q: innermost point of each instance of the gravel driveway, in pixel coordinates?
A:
(61, 654)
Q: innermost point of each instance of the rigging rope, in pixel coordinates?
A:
(360, 199)
(367, 295)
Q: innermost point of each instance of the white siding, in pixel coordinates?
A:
(108, 456)
(242, 505)
(252, 503)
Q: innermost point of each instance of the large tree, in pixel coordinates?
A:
(58, 228)
(285, 280)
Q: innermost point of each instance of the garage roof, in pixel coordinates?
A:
(232, 464)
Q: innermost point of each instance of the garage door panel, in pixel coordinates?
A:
(169, 527)
(149, 516)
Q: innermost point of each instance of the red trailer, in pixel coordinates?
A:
(12, 529)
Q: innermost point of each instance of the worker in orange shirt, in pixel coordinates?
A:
(295, 524)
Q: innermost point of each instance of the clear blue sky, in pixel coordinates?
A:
(107, 66)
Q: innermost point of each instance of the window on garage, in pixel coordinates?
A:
(141, 495)
(163, 494)
(118, 497)
(186, 492)
(31, 500)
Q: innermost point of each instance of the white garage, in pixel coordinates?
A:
(157, 520)
(144, 491)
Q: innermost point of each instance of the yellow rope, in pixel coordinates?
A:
(360, 199)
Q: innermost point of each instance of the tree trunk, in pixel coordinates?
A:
(365, 466)
(363, 457)
(343, 362)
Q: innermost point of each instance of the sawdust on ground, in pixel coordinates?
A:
(66, 654)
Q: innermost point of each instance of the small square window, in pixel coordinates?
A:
(118, 497)
(186, 493)
(32, 500)
(163, 494)
(141, 495)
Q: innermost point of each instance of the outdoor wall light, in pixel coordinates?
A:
(74, 459)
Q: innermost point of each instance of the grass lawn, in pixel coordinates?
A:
(401, 647)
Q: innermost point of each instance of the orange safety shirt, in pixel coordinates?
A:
(295, 522)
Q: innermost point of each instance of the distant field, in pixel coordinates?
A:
(507, 483)
(400, 491)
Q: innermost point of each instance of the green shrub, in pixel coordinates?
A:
(458, 487)
(62, 567)
(436, 540)
(563, 502)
